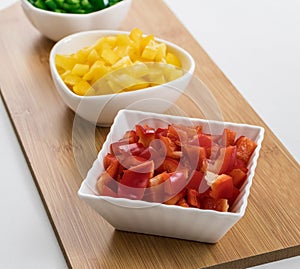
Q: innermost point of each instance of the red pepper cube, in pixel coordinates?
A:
(222, 187)
(135, 180)
(238, 177)
(245, 147)
(192, 198)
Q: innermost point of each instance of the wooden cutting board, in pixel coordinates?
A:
(270, 229)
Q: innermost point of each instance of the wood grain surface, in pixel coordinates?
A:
(270, 229)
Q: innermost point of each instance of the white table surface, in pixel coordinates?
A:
(255, 43)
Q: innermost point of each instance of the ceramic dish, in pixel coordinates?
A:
(56, 25)
(160, 219)
(102, 109)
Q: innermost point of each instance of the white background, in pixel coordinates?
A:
(255, 43)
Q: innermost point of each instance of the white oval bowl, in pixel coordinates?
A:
(56, 25)
(102, 109)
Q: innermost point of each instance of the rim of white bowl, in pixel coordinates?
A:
(117, 5)
(66, 39)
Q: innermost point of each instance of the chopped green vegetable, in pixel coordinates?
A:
(73, 6)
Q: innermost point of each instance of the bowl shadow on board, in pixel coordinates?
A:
(124, 244)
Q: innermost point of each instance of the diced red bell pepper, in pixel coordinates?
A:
(176, 182)
(213, 204)
(155, 191)
(224, 162)
(205, 141)
(157, 152)
(128, 161)
(177, 134)
(244, 148)
(169, 165)
(173, 200)
(240, 164)
(192, 198)
(135, 180)
(228, 137)
(222, 187)
(182, 202)
(106, 180)
(111, 165)
(171, 148)
(161, 132)
(108, 159)
(227, 158)
(146, 135)
(158, 179)
(119, 148)
(130, 137)
(238, 177)
(196, 156)
(195, 180)
(106, 191)
(235, 194)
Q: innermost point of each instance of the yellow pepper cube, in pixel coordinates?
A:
(175, 74)
(150, 51)
(93, 56)
(82, 88)
(104, 43)
(80, 69)
(109, 56)
(123, 62)
(111, 41)
(161, 52)
(172, 59)
(138, 69)
(97, 70)
(123, 40)
(115, 87)
(140, 85)
(121, 51)
(64, 61)
(71, 79)
(81, 55)
(145, 41)
(136, 34)
(155, 75)
(64, 74)
(171, 72)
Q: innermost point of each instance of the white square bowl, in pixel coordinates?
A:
(167, 220)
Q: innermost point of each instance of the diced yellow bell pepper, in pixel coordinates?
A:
(161, 52)
(123, 62)
(93, 56)
(145, 41)
(71, 79)
(171, 72)
(140, 85)
(136, 34)
(80, 69)
(97, 70)
(92, 65)
(109, 56)
(81, 55)
(105, 43)
(82, 88)
(172, 59)
(150, 51)
(138, 69)
(65, 61)
(123, 40)
(64, 74)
